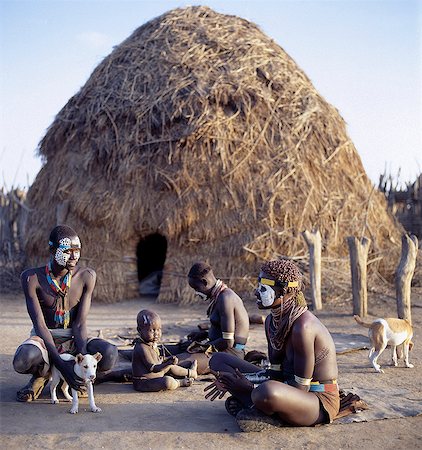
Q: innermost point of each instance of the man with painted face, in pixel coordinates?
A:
(58, 298)
(229, 320)
(300, 388)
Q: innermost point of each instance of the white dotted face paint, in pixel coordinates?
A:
(61, 257)
(266, 294)
(67, 248)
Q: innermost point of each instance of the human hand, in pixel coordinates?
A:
(173, 360)
(217, 388)
(73, 380)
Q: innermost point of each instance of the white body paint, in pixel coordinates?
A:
(388, 337)
(85, 368)
(201, 295)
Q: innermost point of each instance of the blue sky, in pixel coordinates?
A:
(364, 57)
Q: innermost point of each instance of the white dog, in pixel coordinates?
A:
(393, 332)
(86, 368)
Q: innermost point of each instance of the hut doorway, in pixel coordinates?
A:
(151, 254)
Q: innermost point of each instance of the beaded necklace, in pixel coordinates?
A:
(282, 318)
(62, 314)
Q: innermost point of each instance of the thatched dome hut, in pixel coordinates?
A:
(200, 137)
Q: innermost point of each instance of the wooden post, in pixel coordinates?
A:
(358, 250)
(404, 274)
(313, 240)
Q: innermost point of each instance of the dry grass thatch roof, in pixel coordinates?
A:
(200, 127)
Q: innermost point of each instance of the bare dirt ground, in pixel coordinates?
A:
(183, 418)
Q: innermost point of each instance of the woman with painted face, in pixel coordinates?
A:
(58, 299)
(300, 388)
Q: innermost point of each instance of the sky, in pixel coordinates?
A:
(363, 56)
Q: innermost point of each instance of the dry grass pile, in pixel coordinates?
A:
(201, 128)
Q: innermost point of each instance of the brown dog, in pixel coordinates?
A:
(393, 332)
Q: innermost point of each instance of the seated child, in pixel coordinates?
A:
(152, 372)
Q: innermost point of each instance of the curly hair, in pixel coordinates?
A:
(284, 270)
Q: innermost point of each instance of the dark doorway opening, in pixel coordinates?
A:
(151, 254)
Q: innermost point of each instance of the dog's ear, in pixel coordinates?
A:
(98, 356)
(79, 358)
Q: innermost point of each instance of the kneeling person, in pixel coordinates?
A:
(58, 299)
(151, 372)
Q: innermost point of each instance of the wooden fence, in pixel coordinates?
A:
(358, 251)
(13, 217)
(405, 204)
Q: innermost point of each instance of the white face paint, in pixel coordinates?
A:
(62, 254)
(61, 257)
(201, 295)
(266, 294)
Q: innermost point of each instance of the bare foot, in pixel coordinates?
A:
(193, 370)
(32, 390)
(185, 382)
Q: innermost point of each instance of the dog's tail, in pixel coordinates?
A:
(361, 322)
